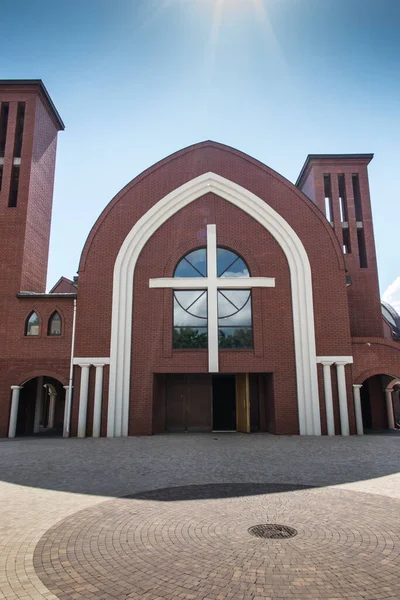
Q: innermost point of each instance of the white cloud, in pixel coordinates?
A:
(243, 273)
(392, 294)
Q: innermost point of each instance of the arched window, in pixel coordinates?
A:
(190, 306)
(54, 327)
(32, 324)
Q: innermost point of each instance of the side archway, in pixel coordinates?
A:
(380, 400)
(37, 407)
(301, 290)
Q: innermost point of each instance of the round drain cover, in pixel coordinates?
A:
(272, 531)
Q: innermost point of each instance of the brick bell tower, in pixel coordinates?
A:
(338, 185)
(29, 124)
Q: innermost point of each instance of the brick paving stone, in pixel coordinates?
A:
(67, 530)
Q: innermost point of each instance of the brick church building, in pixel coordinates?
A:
(212, 295)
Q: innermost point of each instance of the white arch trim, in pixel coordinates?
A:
(393, 383)
(301, 289)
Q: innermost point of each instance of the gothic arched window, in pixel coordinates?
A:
(190, 306)
(32, 324)
(54, 327)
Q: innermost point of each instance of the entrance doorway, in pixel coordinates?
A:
(41, 407)
(380, 405)
(188, 403)
(224, 402)
(195, 402)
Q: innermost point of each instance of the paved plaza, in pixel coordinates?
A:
(169, 517)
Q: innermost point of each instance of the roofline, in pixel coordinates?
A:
(39, 295)
(391, 309)
(62, 278)
(329, 157)
(38, 83)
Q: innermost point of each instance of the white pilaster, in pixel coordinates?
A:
(67, 411)
(83, 399)
(14, 410)
(330, 420)
(98, 394)
(343, 408)
(389, 408)
(357, 408)
(52, 408)
(38, 405)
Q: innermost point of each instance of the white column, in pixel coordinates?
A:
(396, 404)
(98, 394)
(389, 408)
(38, 405)
(67, 411)
(52, 409)
(83, 399)
(357, 408)
(330, 419)
(14, 410)
(65, 428)
(343, 409)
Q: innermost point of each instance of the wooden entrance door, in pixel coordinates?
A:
(176, 401)
(243, 402)
(188, 402)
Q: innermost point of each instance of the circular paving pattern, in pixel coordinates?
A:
(193, 543)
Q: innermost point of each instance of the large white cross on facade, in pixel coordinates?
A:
(212, 283)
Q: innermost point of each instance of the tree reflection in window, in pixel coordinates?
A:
(32, 324)
(234, 306)
(190, 307)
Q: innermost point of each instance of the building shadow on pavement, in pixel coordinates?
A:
(126, 466)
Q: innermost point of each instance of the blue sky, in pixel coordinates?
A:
(135, 80)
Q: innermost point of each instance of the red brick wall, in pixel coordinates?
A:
(24, 241)
(152, 314)
(13, 220)
(375, 356)
(152, 318)
(24, 357)
(40, 201)
(308, 188)
(363, 294)
(25, 229)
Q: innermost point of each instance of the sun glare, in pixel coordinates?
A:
(240, 4)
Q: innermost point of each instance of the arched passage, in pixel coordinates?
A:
(380, 402)
(39, 409)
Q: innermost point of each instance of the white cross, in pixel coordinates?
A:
(212, 283)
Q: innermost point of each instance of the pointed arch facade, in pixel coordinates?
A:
(301, 290)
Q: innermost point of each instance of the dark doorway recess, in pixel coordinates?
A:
(224, 402)
(187, 402)
(195, 402)
(49, 414)
(366, 407)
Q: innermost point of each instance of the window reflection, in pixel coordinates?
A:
(193, 264)
(230, 264)
(190, 319)
(32, 325)
(234, 306)
(54, 324)
(234, 319)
